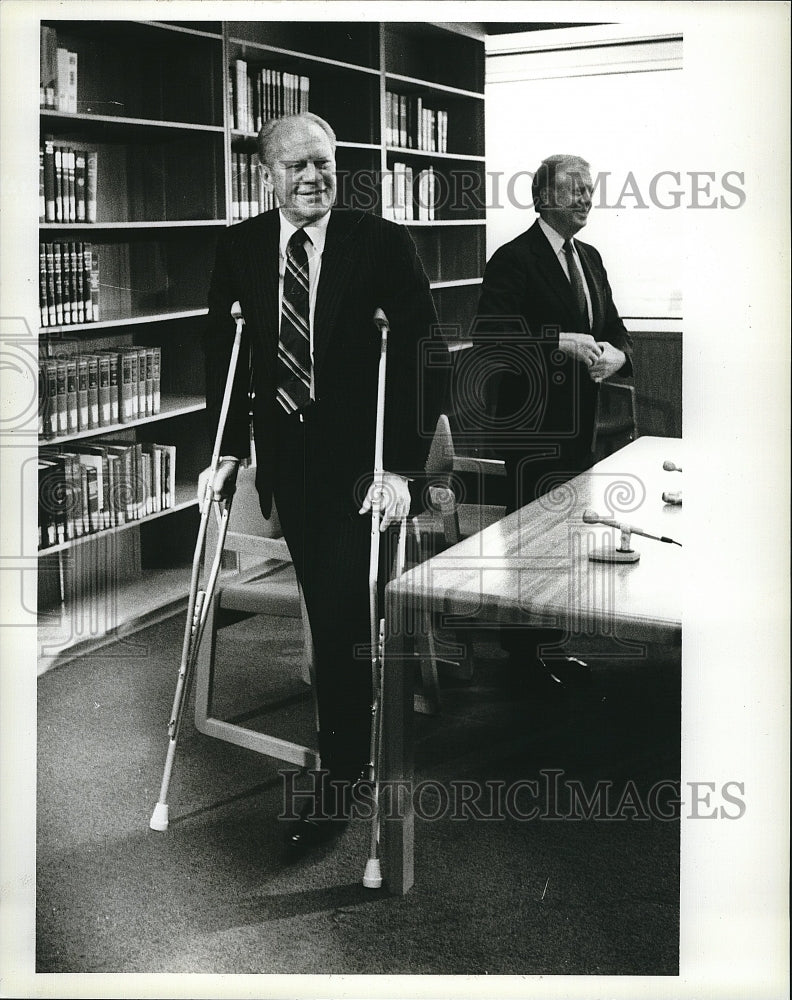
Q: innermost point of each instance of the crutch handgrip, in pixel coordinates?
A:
(381, 320)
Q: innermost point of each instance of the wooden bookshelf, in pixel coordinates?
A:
(153, 102)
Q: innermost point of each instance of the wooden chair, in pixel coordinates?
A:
(446, 521)
(262, 581)
(615, 423)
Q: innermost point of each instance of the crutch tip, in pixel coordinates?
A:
(159, 818)
(372, 877)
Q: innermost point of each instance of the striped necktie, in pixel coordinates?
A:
(294, 346)
(576, 282)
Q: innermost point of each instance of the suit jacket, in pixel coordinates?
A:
(543, 400)
(367, 263)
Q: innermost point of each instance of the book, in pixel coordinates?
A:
(82, 393)
(67, 81)
(61, 423)
(74, 268)
(79, 184)
(43, 308)
(58, 275)
(72, 412)
(49, 181)
(143, 398)
(235, 185)
(70, 185)
(128, 378)
(105, 408)
(51, 307)
(50, 414)
(52, 496)
(93, 391)
(244, 194)
(91, 177)
(48, 67)
(58, 174)
(94, 286)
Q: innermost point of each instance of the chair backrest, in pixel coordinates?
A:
(250, 535)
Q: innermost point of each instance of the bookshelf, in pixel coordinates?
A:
(156, 102)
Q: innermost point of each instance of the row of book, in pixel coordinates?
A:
(67, 183)
(257, 95)
(58, 74)
(87, 488)
(68, 283)
(249, 195)
(411, 125)
(406, 198)
(91, 391)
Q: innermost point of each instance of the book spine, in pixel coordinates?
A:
(115, 394)
(74, 267)
(91, 176)
(93, 391)
(235, 185)
(70, 185)
(79, 184)
(240, 94)
(62, 98)
(49, 181)
(51, 410)
(60, 398)
(143, 399)
(126, 413)
(51, 309)
(42, 397)
(42, 199)
(105, 409)
(43, 307)
(72, 416)
(244, 196)
(58, 161)
(58, 270)
(78, 269)
(150, 411)
(82, 393)
(94, 285)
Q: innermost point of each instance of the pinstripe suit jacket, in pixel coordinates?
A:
(367, 263)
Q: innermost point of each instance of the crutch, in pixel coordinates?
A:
(372, 877)
(199, 600)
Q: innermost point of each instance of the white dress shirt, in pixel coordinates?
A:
(556, 241)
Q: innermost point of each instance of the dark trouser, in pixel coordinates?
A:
(329, 543)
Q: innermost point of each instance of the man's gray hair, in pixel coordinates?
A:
(271, 128)
(545, 177)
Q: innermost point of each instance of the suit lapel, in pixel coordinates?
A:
(550, 268)
(595, 290)
(262, 285)
(338, 261)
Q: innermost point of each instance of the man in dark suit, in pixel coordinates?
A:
(309, 278)
(548, 327)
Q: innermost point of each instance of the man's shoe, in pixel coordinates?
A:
(323, 817)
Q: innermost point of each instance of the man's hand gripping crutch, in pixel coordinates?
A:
(388, 495)
(199, 599)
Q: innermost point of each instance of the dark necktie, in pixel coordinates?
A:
(294, 345)
(576, 282)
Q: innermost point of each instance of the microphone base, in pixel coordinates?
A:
(608, 554)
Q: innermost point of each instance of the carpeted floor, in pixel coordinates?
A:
(214, 894)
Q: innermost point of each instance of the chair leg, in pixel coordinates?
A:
(427, 697)
(204, 667)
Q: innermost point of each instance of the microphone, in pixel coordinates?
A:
(592, 517)
(670, 467)
(236, 311)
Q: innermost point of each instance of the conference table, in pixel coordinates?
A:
(533, 568)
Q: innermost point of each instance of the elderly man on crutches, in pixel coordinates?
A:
(309, 278)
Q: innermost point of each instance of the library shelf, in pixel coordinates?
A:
(172, 406)
(153, 99)
(186, 497)
(109, 324)
(66, 632)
